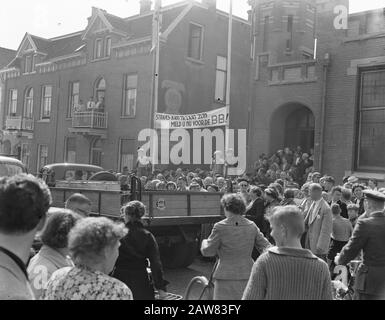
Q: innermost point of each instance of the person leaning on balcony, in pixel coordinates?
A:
(91, 104)
(233, 240)
(99, 106)
(80, 107)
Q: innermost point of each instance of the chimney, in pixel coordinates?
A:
(212, 4)
(145, 6)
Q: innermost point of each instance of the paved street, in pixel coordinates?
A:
(180, 278)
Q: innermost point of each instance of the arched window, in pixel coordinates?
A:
(100, 89)
(28, 103)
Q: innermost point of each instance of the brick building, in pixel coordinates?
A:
(327, 95)
(111, 61)
(296, 80)
(6, 55)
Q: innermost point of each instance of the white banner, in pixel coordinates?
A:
(214, 118)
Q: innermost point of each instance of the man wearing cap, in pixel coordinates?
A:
(368, 236)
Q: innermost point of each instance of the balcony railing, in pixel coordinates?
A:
(90, 119)
(19, 123)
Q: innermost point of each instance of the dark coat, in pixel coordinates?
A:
(256, 213)
(368, 236)
(131, 266)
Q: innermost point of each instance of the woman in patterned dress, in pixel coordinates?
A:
(94, 247)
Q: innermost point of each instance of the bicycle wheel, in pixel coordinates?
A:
(199, 288)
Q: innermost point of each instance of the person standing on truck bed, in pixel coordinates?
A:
(80, 204)
(233, 240)
(137, 247)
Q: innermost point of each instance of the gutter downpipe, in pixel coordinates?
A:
(325, 65)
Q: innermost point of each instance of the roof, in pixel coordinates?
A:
(6, 55)
(132, 28)
(11, 161)
(73, 166)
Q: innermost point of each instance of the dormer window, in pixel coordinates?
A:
(29, 64)
(108, 47)
(98, 53)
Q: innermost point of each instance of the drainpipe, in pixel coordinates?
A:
(57, 118)
(325, 65)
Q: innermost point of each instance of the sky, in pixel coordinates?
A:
(51, 18)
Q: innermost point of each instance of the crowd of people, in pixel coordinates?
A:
(290, 166)
(281, 238)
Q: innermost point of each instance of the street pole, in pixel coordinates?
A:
(228, 80)
(155, 79)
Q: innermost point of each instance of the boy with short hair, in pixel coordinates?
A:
(353, 213)
(288, 272)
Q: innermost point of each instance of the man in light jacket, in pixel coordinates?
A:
(318, 222)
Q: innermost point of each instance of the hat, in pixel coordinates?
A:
(329, 179)
(375, 195)
(352, 179)
(316, 174)
(271, 192)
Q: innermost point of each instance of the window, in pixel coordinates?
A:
(42, 156)
(126, 154)
(25, 154)
(195, 42)
(371, 141)
(290, 23)
(98, 49)
(12, 104)
(28, 64)
(289, 42)
(70, 150)
(96, 152)
(108, 47)
(46, 101)
(130, 95)
(28, 104)
(220, 80)
(73, 98)
(100, 89)
(265, 34)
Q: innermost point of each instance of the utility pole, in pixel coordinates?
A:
(156, 27)
(228, 80)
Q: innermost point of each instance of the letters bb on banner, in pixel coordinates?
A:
(215, 118)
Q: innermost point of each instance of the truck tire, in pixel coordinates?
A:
(178, 255)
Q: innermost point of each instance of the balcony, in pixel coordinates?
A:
(92, 123)
(23, 126)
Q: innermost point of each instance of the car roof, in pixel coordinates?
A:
(10, 160)
(72, 166)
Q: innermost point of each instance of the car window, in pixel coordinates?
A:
(8, 170)
(76, 175)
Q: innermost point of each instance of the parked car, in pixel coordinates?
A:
(11, 166)
(67, 171)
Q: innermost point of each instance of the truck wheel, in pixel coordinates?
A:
(178, 255)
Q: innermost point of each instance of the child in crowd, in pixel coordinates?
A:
(353, 213)
(342, 230)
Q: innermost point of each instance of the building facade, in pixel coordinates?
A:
(51, 83)
(6, 55)
(319, 86)
(298, 79)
